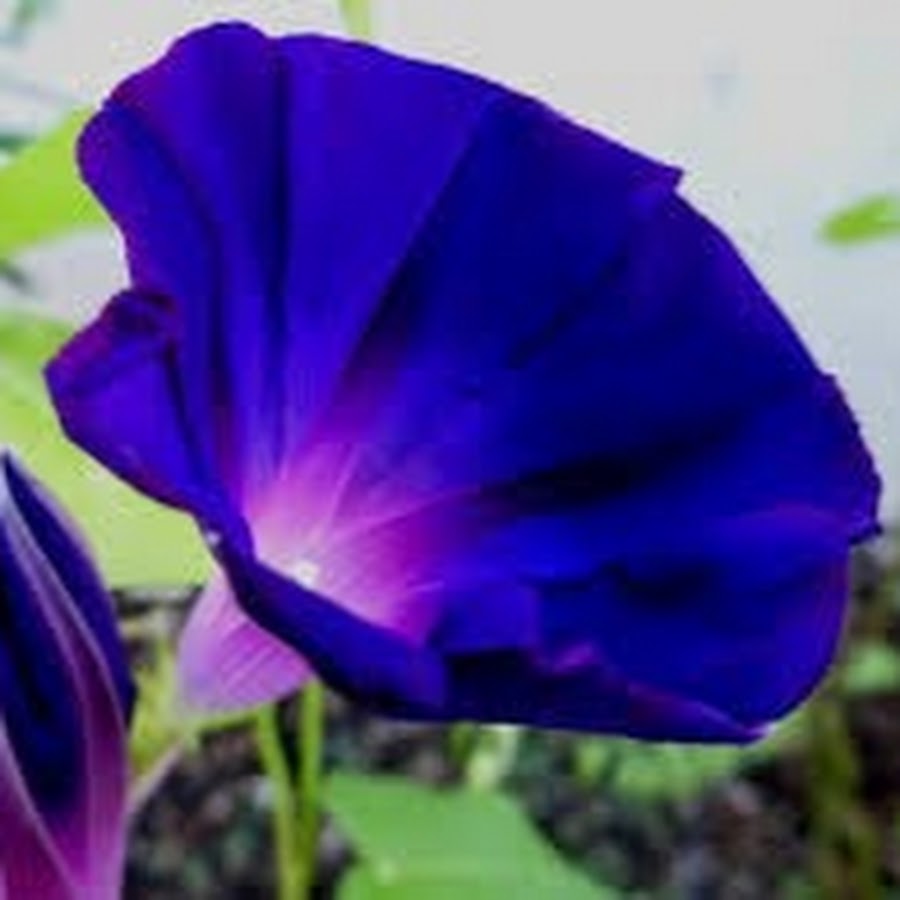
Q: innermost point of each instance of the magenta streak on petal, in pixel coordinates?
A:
(374, 662)
(251, 666)
(296, 531)
(389, 579)
(106, 770)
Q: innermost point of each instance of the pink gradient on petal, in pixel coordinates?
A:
(228, 662)
(225, 661)
(297, 531)
(382, 581)
(30, 865)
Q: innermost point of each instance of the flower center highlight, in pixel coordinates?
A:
(306, 572)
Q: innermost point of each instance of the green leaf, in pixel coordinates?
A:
(366, 882)
(417, 843)
(137, 542)
(24, 15)
(872, 667)
(12, 141)
(643, 772)
(41, 193)
(870, 219)
(357, 17)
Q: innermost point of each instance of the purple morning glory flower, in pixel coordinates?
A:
(65, 696)
(481, 418)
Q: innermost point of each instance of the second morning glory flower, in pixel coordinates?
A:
(481, 418)
(65, 697)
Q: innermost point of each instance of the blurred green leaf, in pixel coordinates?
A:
(869, 219)
(12, 141)
(872, 667)
(137, 542)
(417, 843)
(493, 756)
(650, 773)
(25, 13)
(369, 883)
(357, 17)
(161, 722)
(41, 193)
(15, 277)
(26, 341)
(664, 772)
(157, 724)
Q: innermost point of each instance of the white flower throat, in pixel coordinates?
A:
(306, 572)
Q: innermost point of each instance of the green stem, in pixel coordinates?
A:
(493, 756)
(309, 784)
(275, 765)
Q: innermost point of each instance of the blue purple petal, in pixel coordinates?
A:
(483, 420)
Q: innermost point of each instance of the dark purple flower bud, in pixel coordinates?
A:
(65, 696)
(483, 419)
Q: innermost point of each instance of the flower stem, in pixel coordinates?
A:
(309, 779)
(284, 810)
(493, 756)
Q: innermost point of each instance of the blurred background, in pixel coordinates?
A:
(785, 117)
